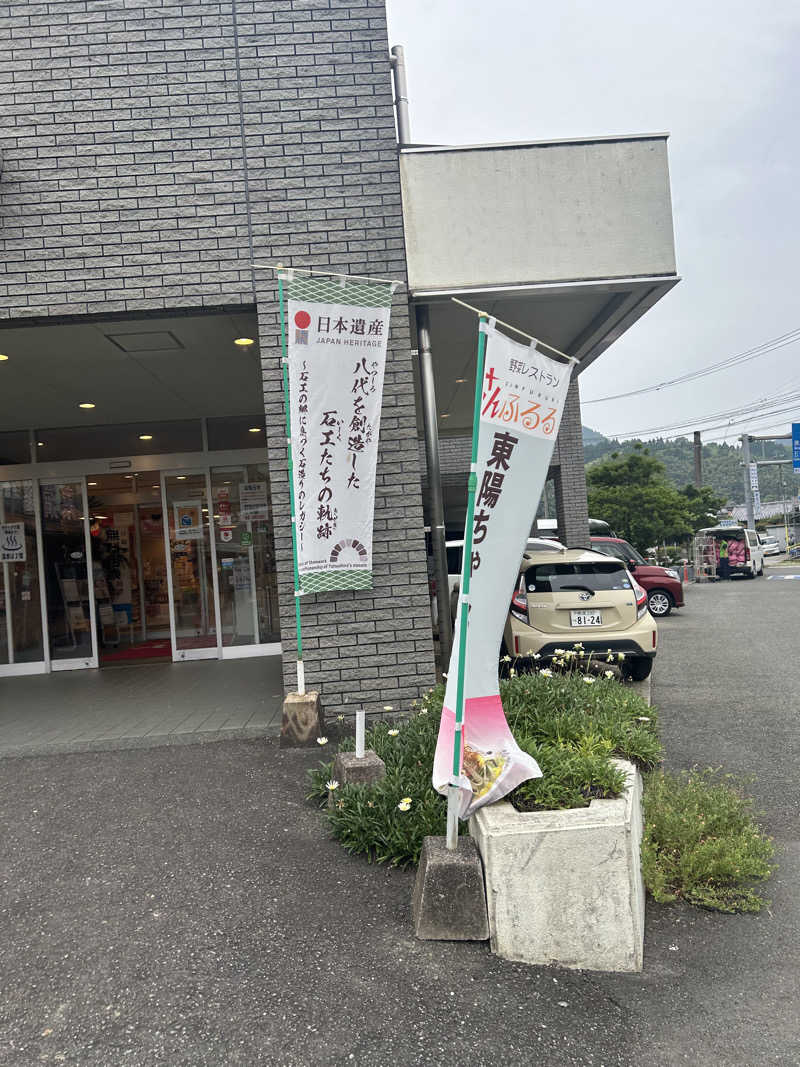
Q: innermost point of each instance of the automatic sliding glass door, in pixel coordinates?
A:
(22, 618)
(70, 596)
(191, 565)
(248, 595)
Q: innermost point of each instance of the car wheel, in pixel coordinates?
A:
(761, 571)
(660, 603)
(637, 668)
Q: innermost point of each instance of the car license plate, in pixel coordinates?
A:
(586, 618)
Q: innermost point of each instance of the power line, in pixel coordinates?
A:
(697, 422)
(751, 353)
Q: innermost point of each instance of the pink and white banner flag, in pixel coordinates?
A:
(523, 399)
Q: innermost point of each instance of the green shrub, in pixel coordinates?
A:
(571, 727)
(701, 842)
(573, 774)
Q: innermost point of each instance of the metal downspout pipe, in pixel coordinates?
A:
(435, 503)
(429, 409)
(401, 95)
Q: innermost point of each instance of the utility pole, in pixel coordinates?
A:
(748, 492)
(698, 460)
(783, 503)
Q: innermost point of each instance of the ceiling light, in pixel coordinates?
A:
(460, 381)
(128, 476)
(91, 483)
(155, 486)
(255, 429)
(445, 415)
(145, 437)
(226, 483)
(3, 358)
(86, 404)
(181, 477)
(96, 517)
(40, 444)
(244, 342)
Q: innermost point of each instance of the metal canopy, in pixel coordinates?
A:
(581, 320)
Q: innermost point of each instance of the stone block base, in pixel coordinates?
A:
(449, 899)
(565, 887)
(348, 769)
(303, 721)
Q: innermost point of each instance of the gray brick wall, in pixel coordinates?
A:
(124, 189)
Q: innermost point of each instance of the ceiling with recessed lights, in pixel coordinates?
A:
(131, 370)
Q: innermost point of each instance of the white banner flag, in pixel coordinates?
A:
(336, 336)
(522, 403)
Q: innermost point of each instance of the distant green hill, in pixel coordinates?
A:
(721, 463)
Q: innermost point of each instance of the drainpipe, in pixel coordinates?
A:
(435, 502)
(429, 410)
(401, 95)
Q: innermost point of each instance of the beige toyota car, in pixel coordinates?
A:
(575, 595)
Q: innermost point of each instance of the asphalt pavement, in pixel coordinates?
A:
(184, 906)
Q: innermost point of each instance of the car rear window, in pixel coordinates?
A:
(558, 577)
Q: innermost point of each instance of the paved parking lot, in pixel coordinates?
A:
(184, 906)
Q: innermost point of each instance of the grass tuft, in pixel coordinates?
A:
(702, 843)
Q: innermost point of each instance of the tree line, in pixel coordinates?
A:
(722, 470)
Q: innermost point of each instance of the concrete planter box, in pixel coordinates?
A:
(565, 887)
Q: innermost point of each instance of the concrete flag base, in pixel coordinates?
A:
(565, 887)
(449, 901)
(303, 721)
(350, 769)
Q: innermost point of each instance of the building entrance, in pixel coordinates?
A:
(128, 566)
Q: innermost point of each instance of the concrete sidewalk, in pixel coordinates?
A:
(140, 706)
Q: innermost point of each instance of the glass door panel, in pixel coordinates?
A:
(245, 559)
(155, 612)
(190, 571)
(21, 641)
(70, 604)
(129, 566)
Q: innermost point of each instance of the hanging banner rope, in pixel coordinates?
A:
(336, 333)
(520, 396)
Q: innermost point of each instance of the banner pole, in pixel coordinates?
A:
(453, 802)
(301, 677)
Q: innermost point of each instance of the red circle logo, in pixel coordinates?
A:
(302, 320)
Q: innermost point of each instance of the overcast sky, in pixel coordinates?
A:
(722, 78)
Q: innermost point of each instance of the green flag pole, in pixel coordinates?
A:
(301, 677)
(453, 802)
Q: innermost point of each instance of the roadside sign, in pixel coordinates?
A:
(796, 446)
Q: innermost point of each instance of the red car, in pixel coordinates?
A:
(663, 584)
